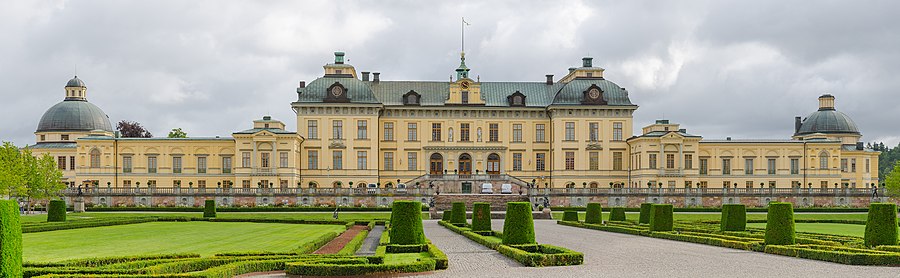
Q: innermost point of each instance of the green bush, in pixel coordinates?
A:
(734, 218)
(447, 215)
(210, 209)
(481, 217)
(617, 214)
(881, 226)
(541, 255)
(842, 255)
(407, 223)
(458, 214)
(645, 213)
(594, 214)
(780, 224)
(570, 215)
(354, 269)
(10, 240)
(661, 217)
(518, 227)
(56, 211)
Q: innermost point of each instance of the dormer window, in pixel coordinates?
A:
(412, 98)
(516, 99)
(593, 95)
(336, 93)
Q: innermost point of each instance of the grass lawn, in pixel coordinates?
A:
(404, 258)
(204, 238)
(823, 228)
(257, 215)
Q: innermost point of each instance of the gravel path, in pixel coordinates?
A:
(371, 242)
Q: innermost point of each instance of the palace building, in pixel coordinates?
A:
(356, 130)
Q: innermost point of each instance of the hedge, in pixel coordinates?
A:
(10, 240)
(570, 215)
(328, 269)
(881, 225)
(715, 209)
(661, 217)
(594, 214)
(780, 224)
(354, 244)
(541, 255)
(841, 255)
(407, 223)
(481, 216)
(518, 227)
(56, 211)
(458, 214)
(244, 209)
(87, 223)
(617, 214)
(447, 215)
(440, 259)
(734, 217)
(645, 213)
(209, 210)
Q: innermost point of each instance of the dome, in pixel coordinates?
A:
(74, 115)
(827, 121)
(75, 82)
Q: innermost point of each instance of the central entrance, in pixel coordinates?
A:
(437, 164)
(465, 164)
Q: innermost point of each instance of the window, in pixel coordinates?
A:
(412, 161)
(594, 131)
(264, 160)
(517, 132)
(388, 161)
(312, 131)
(226, 165)
(176, 164)
(539, 133)
(493, 132)
(465, 97)
(594, 161)
(72, 163)
(652, 161)
(95, 158)
(43, 137)
(823, 160)
(388, 131)
(688, 161)
(201, 184)
(126, 164)
(126, 183)
(771, 166)
(748, 184)
(726, 166)
(570, 131)
(617, 161)
(843, 165)
(748, 166)
(283, 159)
(517, 161)
(313, 160)
(464, 132)
(362, 158)
(670, 161)
(61, 162)
(617, 131)
(570, 160)
(362, 129)
(245, 183)
(337, 129)
(539, 162)
(151, 164)
(245, 159)
(795, 166)
(201, 165)
(64, 137)
(867, 164)
(412, 132)
(436, 132)
(853, 165)
(704, 166)
(337, 158)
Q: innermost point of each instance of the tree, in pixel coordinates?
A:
(177, 133)
(43, 179)
(892, 182)
(12, 171)
(130, 129)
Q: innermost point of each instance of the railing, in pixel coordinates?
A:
(707, 191)
(263, 171)
(249, 191)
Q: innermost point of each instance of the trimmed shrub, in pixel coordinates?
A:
(645, 213)
(594, 214)
(617, 214)
(881, 226)
(570, 215)
(518, 227)
(407, 223)
(458, 215)
(734, 218)
(481, 217)
(56, 211)
(447, 215)
(210, 209)
(780, 224)
(661, 217)
(10, 240)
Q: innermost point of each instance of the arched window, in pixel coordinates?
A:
(516, 99)
(823, 160)
(411, 98)
(493, 165)
(95, 158)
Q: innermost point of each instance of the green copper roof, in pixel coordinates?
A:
(573, 92)
(357, 91)
(74, 115)
(272, 130)
(53, 145)
(827, 121)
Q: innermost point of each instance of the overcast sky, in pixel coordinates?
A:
(720, 68)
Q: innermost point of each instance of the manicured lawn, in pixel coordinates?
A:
(256, 215)
(823, 228)
(204, 238)
(403, 258)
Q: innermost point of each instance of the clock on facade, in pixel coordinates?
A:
(594, 93)
(337, 91)
(464, 84)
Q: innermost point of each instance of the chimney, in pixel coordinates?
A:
(549, 79)
(587, 62)
(365, 76)
(860, 146)
(728, 138)
(375, 76)
(797, 124)
(302, 84)
(339, 57)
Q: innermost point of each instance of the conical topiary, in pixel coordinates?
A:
(518, 227)
(406, 225)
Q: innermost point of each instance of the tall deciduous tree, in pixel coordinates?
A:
(131, 129)
(892, 182)
(12, 169)
(44, 179)
(177, 133)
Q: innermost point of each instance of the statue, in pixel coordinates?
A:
(479, 134)
(79, 191)
(450, 135)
